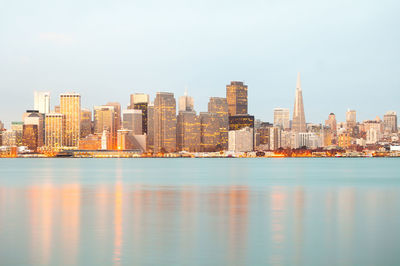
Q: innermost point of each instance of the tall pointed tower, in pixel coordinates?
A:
(299, 120)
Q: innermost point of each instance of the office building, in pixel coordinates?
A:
(299, 120)
(86, 122)
(164, 122)
(54, 124)
(282, 118)
(186, 103)
(132, 120)
(351, 119)
(33, 117)
(209, 132)
(390, 122)
(150, 128)
(331, 123)
(104, 120)
(188, 131)
(237, 122)
(219, 107)
(236, 96)
(241, 140)
(41, 102)
(117, 114)
(141, 101)
(70, 107)
(17, 127)
(30, 136)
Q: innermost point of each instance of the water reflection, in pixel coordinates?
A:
(236, 225)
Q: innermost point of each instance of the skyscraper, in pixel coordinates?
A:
(54, 124)
(219, 106)
(104, 120)
(140, 101)
(299, 120)
(186, 103)
(236, 96)
(150, 127)
(86, 123)
(390, 121)
(331, 123)
(164, 122)
(209, 132)
(117, 114)
(282, 118)
(42, 102)
(70, 107)
(132, 120)
(188, 131)
(30, 118)
(351, 118)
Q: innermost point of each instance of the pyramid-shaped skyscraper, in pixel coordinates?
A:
(299, 119)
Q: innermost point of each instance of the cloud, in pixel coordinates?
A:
(56, 38)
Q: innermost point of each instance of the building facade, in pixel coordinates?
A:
(164, 122)
(236, 96)
(70, 107)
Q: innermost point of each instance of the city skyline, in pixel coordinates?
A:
(128, 104)
(351, 62)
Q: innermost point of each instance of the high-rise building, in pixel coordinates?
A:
(210, 132)
(104, 120)
(241, 140)
(150, 127)
(351, 119)
(33, 117)
(117, 115)
(236, 96)
(331, 123)
(42, 102)
(390, 122)
(54, 124)
(140, 101)
(219, 106)
(188, 131)
(132, 120)
(299, 120)
(282, 118)
(86, 123)
(164, 122)
(70, 107)
(30, 136)
(186, 103)
(17, 127)
(237, 122)
(1, 125)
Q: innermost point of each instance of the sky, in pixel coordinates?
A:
(347, 52)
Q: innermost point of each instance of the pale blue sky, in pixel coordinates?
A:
(348, 52)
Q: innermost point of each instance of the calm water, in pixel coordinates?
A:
(200, 211)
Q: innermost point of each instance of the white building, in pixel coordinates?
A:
(241, 140)
(282, 118)
(310, 140)
(42, 102)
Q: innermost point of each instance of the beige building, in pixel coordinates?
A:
(70, 107)
(390, 122)
(104, 119)
(186, 103)
(282, 118)
(299, 119)
(54, 124)
(164, 122)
